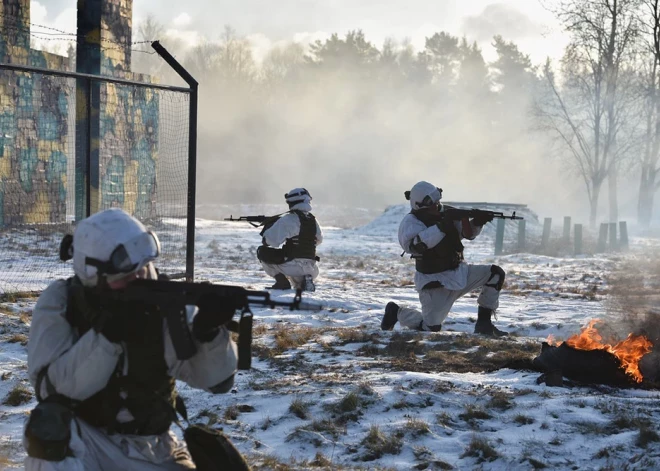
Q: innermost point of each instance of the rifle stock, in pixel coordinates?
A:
(171, 298)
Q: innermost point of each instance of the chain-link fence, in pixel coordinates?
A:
(74, 144)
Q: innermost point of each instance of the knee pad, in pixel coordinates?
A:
(496, 270)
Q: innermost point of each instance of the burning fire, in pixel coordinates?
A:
(628, 351)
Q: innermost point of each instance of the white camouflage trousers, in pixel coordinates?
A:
(94, 450)
(437, 302)
(295, 270)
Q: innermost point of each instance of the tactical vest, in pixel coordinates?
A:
(146, 391)
(304, 244)
(447, 255)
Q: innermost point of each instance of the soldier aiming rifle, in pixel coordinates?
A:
(298, 233)
(431, 233)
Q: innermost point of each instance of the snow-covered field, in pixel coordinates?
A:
(330, 390)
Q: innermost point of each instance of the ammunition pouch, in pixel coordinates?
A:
(271, 255)
(211, 450)
(48, 431)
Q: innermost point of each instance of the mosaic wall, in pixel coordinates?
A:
(36, 145)
(34, 113)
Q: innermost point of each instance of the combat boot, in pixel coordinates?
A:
(281, 282)
(484, 325)
(391, 316)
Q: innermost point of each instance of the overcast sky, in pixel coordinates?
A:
(268, 21)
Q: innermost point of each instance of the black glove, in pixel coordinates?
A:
(482, 218)
(214, 312)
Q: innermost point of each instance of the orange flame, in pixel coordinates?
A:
(629, 351)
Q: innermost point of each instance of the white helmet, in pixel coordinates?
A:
(111, 243)
(299, 196)
(423, 195)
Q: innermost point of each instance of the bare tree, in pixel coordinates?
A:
(144, 59)
(650, 154)
(589, 111)
(281, 65)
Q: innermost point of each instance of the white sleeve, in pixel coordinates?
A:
(476, 230)
(77, 367)
(286, 227)
(214, 362)
(319, 234)
(412, 232)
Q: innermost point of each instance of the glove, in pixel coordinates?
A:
(214, 312)
(482, 218)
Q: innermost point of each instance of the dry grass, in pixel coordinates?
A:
(482, 450)
(353, 335)
(290, 337)
(300, 408)
(473, 413)
(20, 394)
(18, 338)
(416, 427)
(522, 419)
(377, 444)
(231, 413)
(646, 436)
(456, 353)
(500, 400)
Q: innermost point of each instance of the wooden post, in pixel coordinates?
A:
(547, 224)
(577, 238)
(567, 229)
(623, 235)
(613, 245)
(521, 235)
(602, 238)
(499, 237)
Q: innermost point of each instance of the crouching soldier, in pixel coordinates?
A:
(104, 376)
(300, 233)
(442, 276)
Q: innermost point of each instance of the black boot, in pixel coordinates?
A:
(281, 282)
(484, 325)
(391, 316)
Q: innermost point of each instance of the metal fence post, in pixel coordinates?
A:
(623, 235)
(602, 238)
(192, 155)
(613, 244)
(521, 235)
(547, 224)
(567, 229)
(499, 237)
(577, 238)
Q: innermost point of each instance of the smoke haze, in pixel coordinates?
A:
(358, 124)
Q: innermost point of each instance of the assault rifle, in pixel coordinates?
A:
(261, 219)
(456, 214)
(171, 298)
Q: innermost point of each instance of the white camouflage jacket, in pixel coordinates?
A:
(79, 367)
(413, 231)
(288, 226)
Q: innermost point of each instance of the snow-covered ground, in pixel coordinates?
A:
(330, 390)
